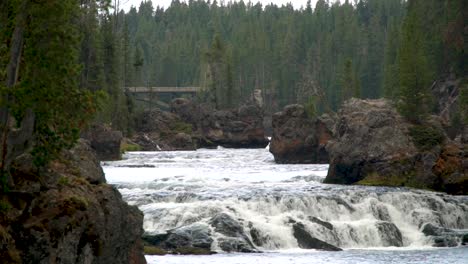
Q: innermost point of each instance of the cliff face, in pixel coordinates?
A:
(68, 215)
(374, 145)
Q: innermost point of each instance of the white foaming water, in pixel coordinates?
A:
(175, 189)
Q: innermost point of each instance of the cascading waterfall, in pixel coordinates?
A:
(190, 189)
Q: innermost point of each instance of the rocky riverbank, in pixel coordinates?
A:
(68, 214)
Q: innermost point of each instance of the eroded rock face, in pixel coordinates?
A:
(373, 145)
(70, 216)
(298, 138)
(189, 126)
(237, 128)
(104, 141)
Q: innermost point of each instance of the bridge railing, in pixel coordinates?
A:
(162, 89)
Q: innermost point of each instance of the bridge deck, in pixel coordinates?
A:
(162, 89)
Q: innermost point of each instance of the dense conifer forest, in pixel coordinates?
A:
(319, 55)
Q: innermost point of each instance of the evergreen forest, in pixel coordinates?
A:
(78, 56)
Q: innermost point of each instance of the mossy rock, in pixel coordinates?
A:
(375, 179)
(150, 250)
(192, 251)
(125, 147)
(181, 127)
(426, 137)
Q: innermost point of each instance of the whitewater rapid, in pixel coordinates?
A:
(176, 189)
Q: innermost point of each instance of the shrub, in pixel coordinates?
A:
(426, 137)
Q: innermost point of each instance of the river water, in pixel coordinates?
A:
(372, 224)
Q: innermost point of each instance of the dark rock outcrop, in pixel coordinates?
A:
(189, 126)
(235, 239)
(198, 238)
(444, 237)
(298, 138)
(307, 241)
(237, 128)
(68, 215)
(105, 142)
(187, 239)
(161, 130)
(374, 145)
(390, 234)
(327, 225)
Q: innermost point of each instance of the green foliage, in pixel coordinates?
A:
(181, 127)
(49, 79)
(311, 106)
(350, 86)
(63, 181)
(266, 47)
(463, 103)
(4, 207)
(150, 250)
(414, 96)
(218, 75)
(125, 147)
(426, 137)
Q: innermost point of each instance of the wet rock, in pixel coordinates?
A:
(257, 237)
(327, 225)
(105, 141)
(226, 225)
(235, 244)
(306, 241)
(298, 138)
(432, 230)
(390, 234)
(235, 239)
(196, 237)
(445, 237)
(445, 242)
(465, 240)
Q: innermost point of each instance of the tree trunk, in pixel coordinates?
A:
(13, 139)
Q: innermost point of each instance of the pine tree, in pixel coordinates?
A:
(414, 69)
(47, 81)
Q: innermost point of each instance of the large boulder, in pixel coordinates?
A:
(105, 141)
(374, 145)
(62, 214)
(298, 138)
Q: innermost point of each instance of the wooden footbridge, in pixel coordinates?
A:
(160, 96)
(160, 90)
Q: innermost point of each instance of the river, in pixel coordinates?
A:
(371, 224)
